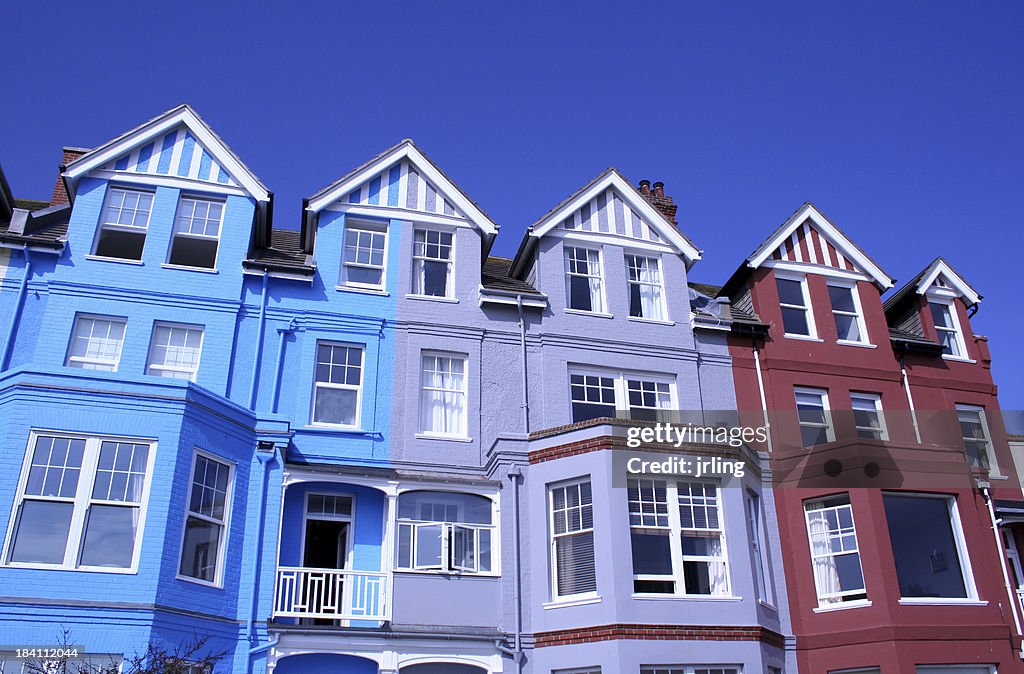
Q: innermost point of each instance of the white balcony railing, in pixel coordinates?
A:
(332, 594)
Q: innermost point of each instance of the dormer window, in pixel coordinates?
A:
(123, 225)
(363, 257)
(847, 314)
(797, 320)
(432, 263)
(584, 285)
(646, 295)
(196, 233)
(948, 328)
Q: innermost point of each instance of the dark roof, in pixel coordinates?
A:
(31, 204)
(495, 276)
(741, 320)
(284, 254)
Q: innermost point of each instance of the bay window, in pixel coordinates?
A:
(835, 557)
(595, 394)
(646, 291)
(80, 503)
(584, 283)
(443, 395)
(571, 526)
(445, 531)
(202, 549)
(677, 538)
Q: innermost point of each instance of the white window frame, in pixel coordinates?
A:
(144, 230)
(80, 502)
(990, 450)
(966, 569)
(876, 400)
(940, 299)
(691, 669)
(659, 286)
(829, 425)
(578, 670)
(448, 529)
(152, 368)
(763, 587)
(676, 533)
(857, 314)
(449, 284)
(553, 539)
(600, 276)
(70, 359)
(835, 599)
(464, 392)
(328, 517)
(812, 330)
(621, 388)
(358, 388)
(225, 525)
(372, 227)
(195, 199)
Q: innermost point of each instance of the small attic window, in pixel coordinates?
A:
(124, 223)
(196, 233)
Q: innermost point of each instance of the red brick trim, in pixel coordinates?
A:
(601, 442)
(613, 632)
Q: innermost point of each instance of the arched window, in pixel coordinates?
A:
(444, 531)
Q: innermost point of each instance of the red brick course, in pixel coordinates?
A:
(639, 632)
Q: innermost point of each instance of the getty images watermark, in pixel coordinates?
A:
(684, 437)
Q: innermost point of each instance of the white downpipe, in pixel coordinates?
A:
(1010, 592)
(764, 401)
(910, 401)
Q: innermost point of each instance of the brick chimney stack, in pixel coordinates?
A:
(60, 195)
(657, 198)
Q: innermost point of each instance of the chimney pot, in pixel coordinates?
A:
(645, 187)
(659, 189)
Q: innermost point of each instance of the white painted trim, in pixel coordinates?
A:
(860, 603)
(939, 267)
(425, 168)
(807, 268)
(175, 182)
(155, 129)
(397, 213)
(630, 197)
(842, 244)
(584, 599)
(608, 237)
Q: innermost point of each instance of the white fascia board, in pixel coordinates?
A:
(396, 213)
(407, 151)
(176, 182)
(635, 201)
(811, 268)
(155, 129)
(838, 239)
(955, 280)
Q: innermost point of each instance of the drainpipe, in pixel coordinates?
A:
(910, 401)
(250, 623)
(16, 315)
(764, 401)
(513, 475)
(259, 343)
(522, 344)
(1010, 593)
(283, 332)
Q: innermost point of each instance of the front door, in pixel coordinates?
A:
(327, 546)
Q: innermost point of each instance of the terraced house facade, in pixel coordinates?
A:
(368, 445)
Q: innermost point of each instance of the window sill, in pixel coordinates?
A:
(78, 569)
(203, 270)
(582, 600)
(594, 314)
(862, 345)
(199, 581)
(655, 321)
(767, 605)
(941, 601)
(684, 597)
(116, 260)
(432, 298)
(438, 436)
(958, 359)
(457, 574)
(326, 428)
(362, 291)
(805, 338)
(842, 606)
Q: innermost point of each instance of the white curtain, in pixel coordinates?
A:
(826, 575)
(444, 398)
(594, 270)
(717, 575)
(419, 282)
(650, 289)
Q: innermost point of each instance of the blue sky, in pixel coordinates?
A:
(903, 123)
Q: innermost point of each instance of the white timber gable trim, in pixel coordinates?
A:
(942, 280)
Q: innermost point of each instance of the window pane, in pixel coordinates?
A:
(464, 508)
(42, 533)
(109, 536)
(575, 564)
(200, 550)
(847, 328)
(652, 552)
(794, 321)
(842, 299)
(790, 292)
(120, 244)
(428, 545)
(926, 553)
(189, 251)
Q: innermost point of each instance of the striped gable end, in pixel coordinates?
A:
(607, 213)
(807, 244)
(402, 186)
(176, 153)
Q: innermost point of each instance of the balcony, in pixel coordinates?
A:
(332, 594)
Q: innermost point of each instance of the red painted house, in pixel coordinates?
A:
(891, 465)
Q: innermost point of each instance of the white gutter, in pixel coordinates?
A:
(764, 401)
(1010, 593)
(910, 401)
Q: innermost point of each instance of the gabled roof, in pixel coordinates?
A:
(808, 237)
(939, 271)
(638, 218)
(402, 177)
(176, 144)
